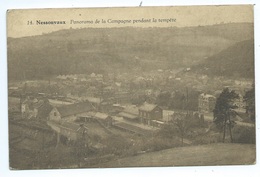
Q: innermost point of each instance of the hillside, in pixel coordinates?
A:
(204, 155)
(235, 61)
(119, 49)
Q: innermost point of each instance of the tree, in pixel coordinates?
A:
(249, 99)
(163, 98)
(81, 146)
(80, 150)
(183, 124)
(224, 110)
(178, 101)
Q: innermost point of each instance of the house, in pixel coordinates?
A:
(95, 102)
(96, 77)
(122, 97)
(99, 76)
(239, 102)
(69, 130)
(148, 112)
(27, 108)
(206, 103)
(69, 112)
(92, 75)
(92, 116)
(157, 123)
(167, 115)
(244, 83)
(14, 91)
(116, 108)
(62, 77)
(72, 131)
(104, 119)
(130, 113)
(99, 104)
(44, 108)
(118, 84)
(35, 108)
(91, 91)
(87, 117)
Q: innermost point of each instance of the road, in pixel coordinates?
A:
(209, 118)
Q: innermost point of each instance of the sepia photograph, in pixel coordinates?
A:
(131, 87)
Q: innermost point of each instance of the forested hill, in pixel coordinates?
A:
(235, 61)
(102, 50)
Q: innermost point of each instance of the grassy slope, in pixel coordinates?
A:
(212, 154)
(99, 50)
(237, 60)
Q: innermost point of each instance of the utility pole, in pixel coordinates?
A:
(187, 95)
(43, 140)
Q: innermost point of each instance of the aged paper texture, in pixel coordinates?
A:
(131, 87)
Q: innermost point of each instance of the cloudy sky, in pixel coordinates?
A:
(17, 20)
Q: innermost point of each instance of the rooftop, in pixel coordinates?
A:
(94, 100)
(127, 115)
(207, 95)
(67, 125)
(132, 109)
(36, 103)
(72, 109)
(147, 107)
(130, 112)
(71, 126)
(100, 115)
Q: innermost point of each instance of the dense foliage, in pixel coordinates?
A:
(235, 61)
(249, 99)
(224, 111)
(75, 51)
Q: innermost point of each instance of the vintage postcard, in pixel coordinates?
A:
(131, 87)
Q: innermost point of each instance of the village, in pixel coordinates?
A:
(114, 115)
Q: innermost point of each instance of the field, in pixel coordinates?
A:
(212, 154)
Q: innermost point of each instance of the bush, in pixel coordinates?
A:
(244, 135)
(116, 145)
(160, 143)
(168, 131)
(207, 139)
